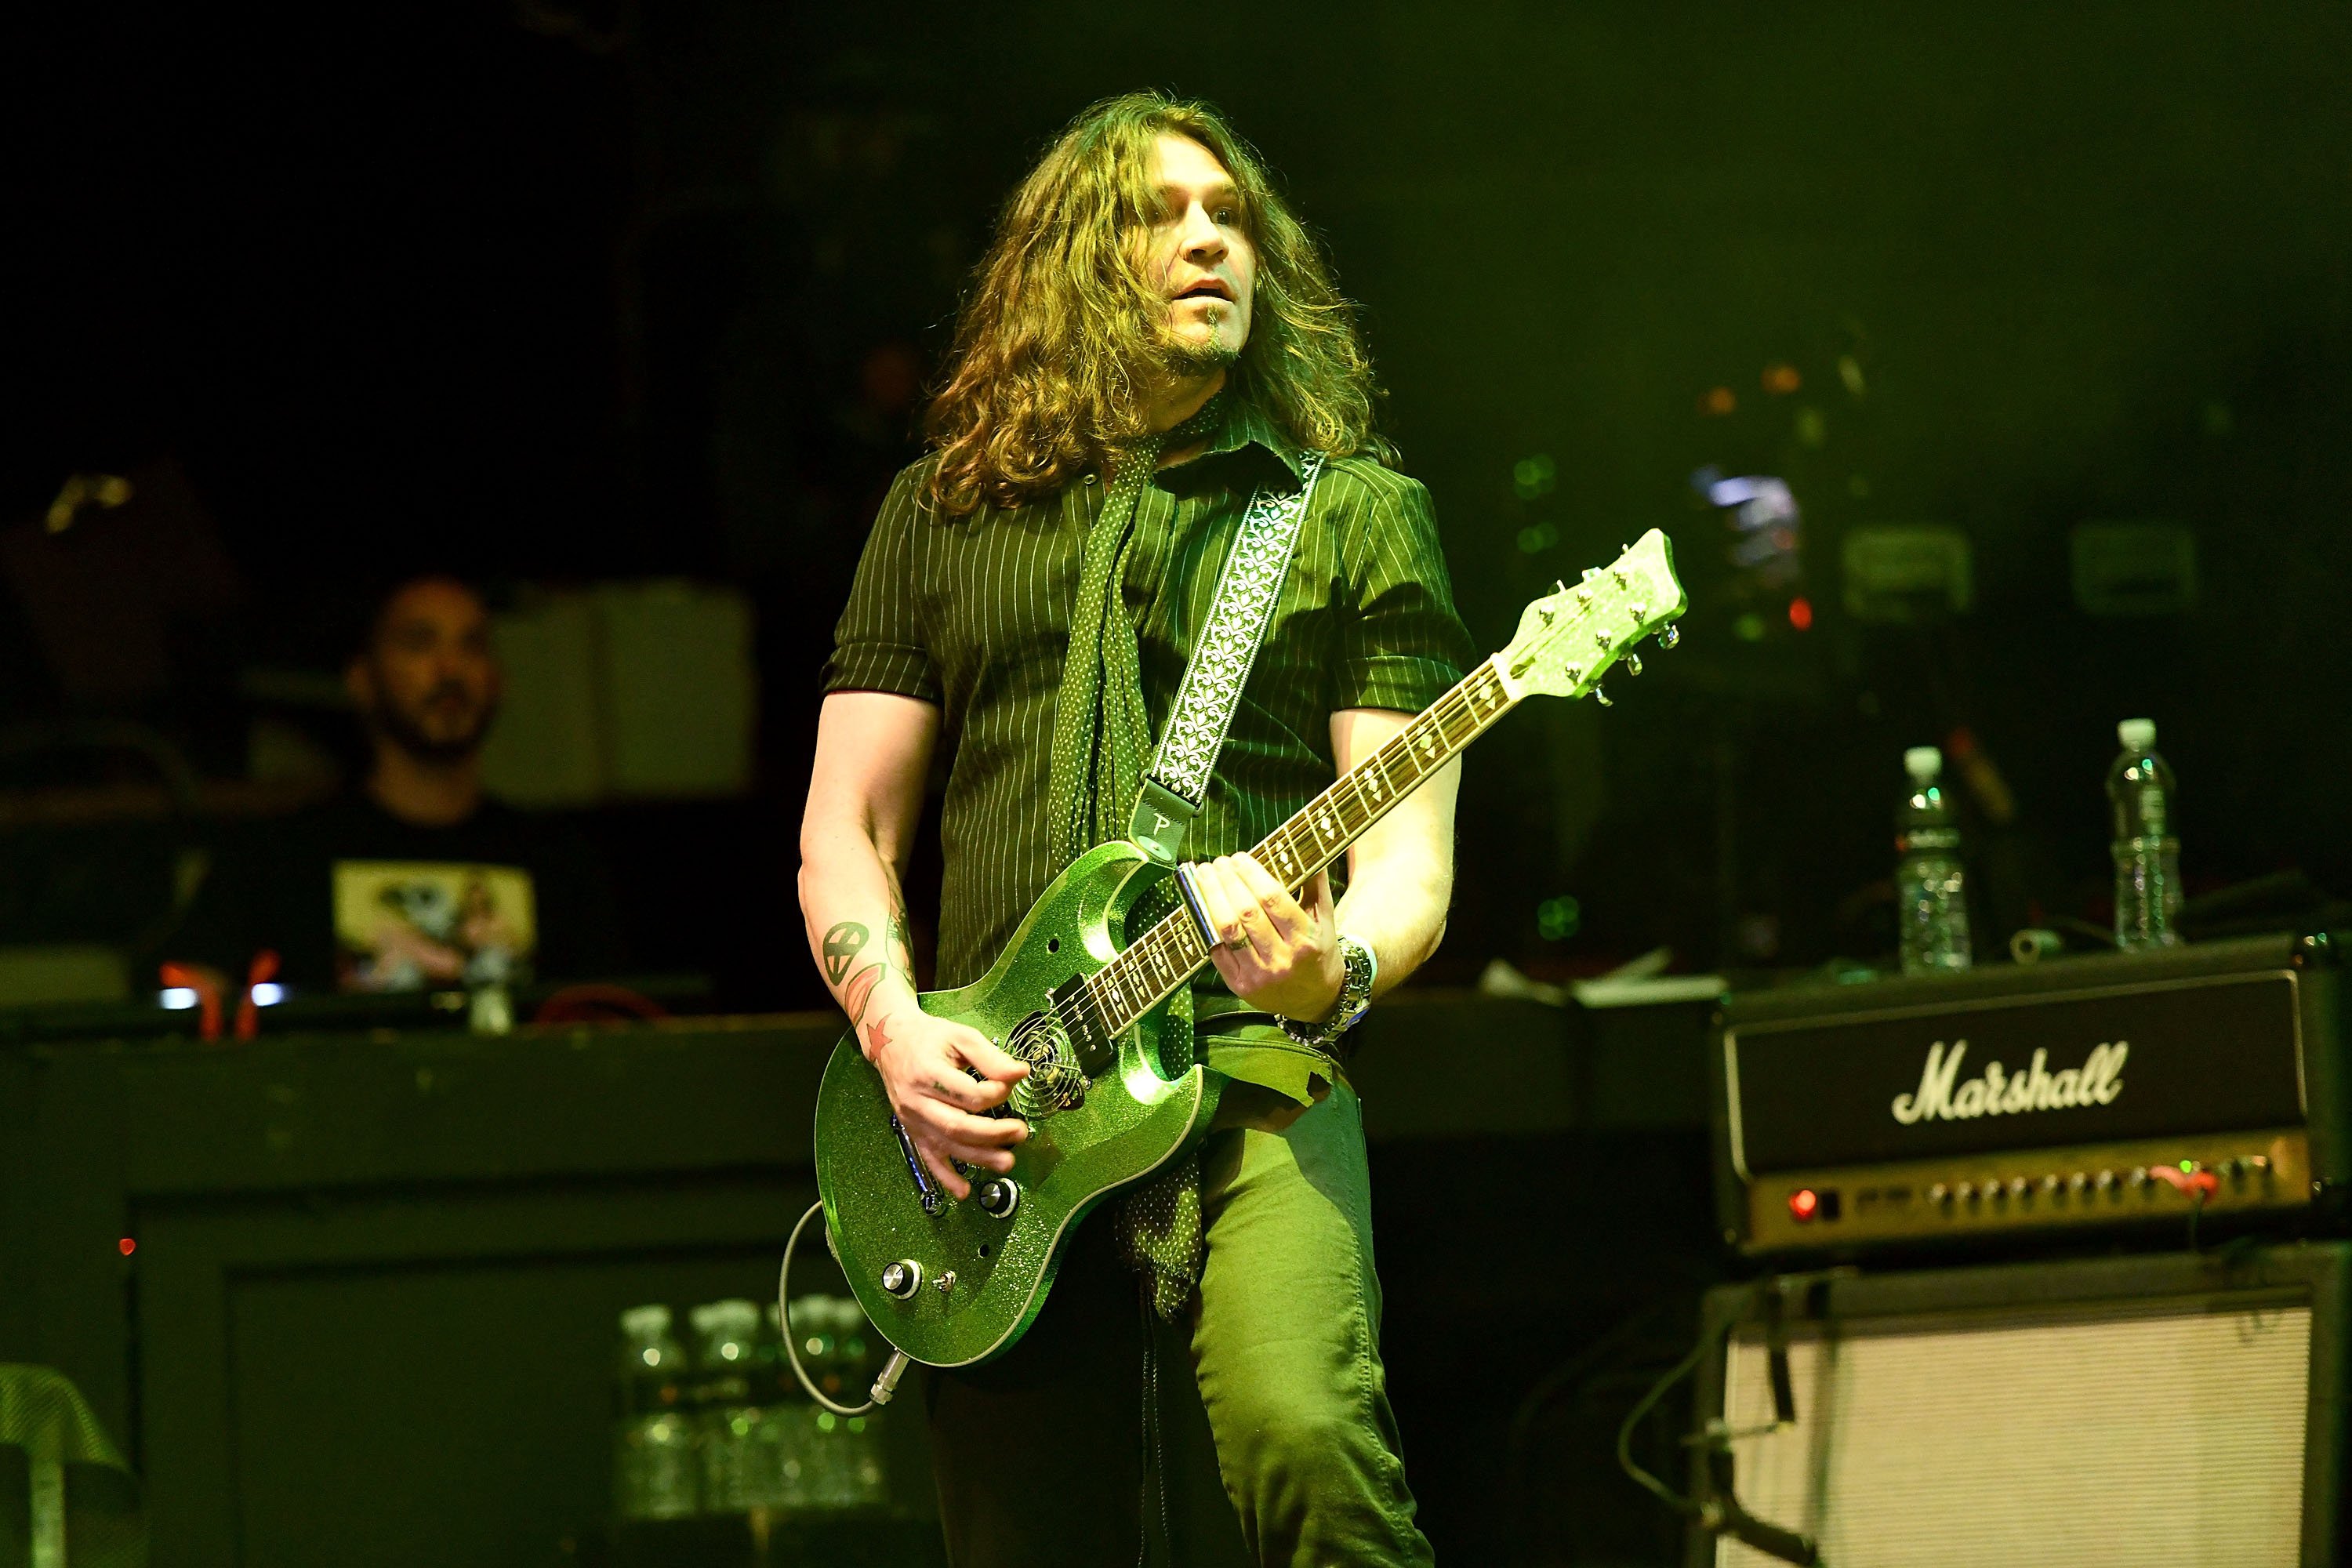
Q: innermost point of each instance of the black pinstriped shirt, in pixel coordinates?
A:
(973, 615)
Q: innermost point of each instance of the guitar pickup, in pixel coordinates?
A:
(1087, 1042)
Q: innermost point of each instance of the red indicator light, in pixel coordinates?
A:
(1801, 614)
(1804, 1203)
(127, 1246)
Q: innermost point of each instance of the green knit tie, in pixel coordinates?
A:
(1102, 742)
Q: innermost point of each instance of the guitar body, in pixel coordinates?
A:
(981, 1278)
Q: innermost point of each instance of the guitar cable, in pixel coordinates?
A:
(1717, 1511)
(886, 1385)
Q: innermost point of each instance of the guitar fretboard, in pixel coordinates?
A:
(1165, 956)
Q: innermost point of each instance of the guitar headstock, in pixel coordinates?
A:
(1568, 638)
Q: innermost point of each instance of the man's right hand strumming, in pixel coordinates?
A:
(926, 1064)
(866, 796)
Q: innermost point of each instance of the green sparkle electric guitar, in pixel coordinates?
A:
(954, 1283)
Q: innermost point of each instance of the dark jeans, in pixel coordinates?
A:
(1277, 1448)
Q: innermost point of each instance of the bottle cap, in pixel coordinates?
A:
(1923, 762)
(645, 1323)
(2136, 735)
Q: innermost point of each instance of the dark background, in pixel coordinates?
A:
(559, 292)
(565, 293)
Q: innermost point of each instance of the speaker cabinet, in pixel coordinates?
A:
(2178, 1409)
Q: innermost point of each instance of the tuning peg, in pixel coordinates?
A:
(1602, 697)
(1559, 586)
(1632, 664)
(1669, 636)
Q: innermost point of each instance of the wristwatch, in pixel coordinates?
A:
(1359, 967)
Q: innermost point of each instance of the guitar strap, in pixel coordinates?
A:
(1178, 779)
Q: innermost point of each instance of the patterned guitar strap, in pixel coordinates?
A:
(1101, 729)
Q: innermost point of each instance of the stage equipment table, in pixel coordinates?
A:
(351, 1297)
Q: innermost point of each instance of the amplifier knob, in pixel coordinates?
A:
(1967, 1191)
(2017, 1185)
(2050, 1185)
(2079, 1183)
(2107, 1181)
(1940, 1196)
(2137, 1179)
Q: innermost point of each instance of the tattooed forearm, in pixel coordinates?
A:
(856, 968)
(901, 945)
(842, 944)
(860, 991)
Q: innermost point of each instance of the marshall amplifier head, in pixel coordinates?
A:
(2101, 1091)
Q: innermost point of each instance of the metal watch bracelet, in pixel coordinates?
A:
(1360, 966)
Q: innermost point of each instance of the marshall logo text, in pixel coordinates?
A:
(1995, 1092)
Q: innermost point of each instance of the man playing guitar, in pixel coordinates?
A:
(1151, 341)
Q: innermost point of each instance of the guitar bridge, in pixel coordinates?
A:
(927, 1190)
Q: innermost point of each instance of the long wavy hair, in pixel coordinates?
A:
(1062, 329)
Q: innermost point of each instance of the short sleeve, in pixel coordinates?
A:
(1401, 643)
(878, 644)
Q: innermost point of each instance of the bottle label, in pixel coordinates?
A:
(2151, 810)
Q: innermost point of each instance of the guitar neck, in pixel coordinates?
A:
(1166, 956)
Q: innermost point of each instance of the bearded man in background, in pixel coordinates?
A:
(417, 880)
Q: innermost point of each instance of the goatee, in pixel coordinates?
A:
(1185, 360)
(406, 730)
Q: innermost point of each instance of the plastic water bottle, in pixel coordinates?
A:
(654, 1471)
(779, 1439)
(827, 1464)
(2147, 857)
(866, 1480)
(725, 1336)
(1930, 884)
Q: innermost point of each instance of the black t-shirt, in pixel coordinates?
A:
(353, 899)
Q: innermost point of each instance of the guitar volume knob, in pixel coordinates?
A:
(902, 1278)
(1000, 1198)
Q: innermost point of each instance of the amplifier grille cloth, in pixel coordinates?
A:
(2035, 1438)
